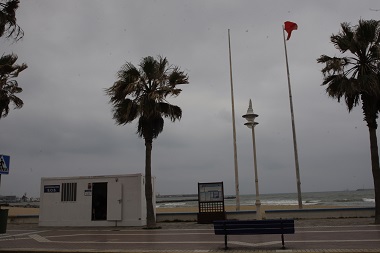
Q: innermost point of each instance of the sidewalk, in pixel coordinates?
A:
(320, 235)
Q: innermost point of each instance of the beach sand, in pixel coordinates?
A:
(15, 211)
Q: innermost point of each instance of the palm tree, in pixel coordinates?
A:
(141, 93)
(8, 25)
(8, 86)
(355, 77)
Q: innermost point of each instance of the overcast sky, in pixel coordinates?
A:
(74, 49)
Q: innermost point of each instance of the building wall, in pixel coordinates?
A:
(131, 203)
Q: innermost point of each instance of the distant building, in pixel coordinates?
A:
(24, 198)
(8, 199)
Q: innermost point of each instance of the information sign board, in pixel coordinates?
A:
(210, 192)
(211, 202)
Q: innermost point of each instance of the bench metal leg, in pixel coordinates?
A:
(225, 241)
(282, 239)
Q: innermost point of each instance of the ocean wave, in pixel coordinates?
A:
(175, 204)
(280, 202)
(349, 200)
(312, 202)
(171, 204)
(343, 198)
(290, 202)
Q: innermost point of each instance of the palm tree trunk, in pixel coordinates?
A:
(150, 216)
(375, 170)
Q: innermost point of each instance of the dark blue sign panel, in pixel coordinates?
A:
(4, 164)
(51, 188)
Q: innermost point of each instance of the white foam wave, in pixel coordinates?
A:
(171, 205)
(369, 200)
(280, 202)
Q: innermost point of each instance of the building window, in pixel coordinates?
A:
(69, 192)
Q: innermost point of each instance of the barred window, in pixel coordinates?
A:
(69, 192)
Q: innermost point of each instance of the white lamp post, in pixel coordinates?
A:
(250, 117)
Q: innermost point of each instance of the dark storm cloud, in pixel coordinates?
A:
(74, 49)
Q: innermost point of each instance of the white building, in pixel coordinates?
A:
(117, 200)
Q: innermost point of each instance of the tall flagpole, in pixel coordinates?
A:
(234, 130)
(293, 127)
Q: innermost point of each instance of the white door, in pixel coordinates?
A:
(114, 201)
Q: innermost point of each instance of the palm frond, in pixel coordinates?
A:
(355, 78)
(141, 93)
(333, 65)
(125, 112)
(150, 128)
(170, 111)
(367, 31)
(148, 67)
(178, 77)
(8, 21)
(18, 103)
(9, 86)
(343, 40)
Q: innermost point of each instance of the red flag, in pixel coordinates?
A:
(289, 27)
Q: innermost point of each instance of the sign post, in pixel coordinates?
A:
(4, 165)
(4, 169)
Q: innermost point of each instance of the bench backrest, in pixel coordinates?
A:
(239, 227)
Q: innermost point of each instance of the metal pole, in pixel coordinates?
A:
(293, 128)
(234, 131)
(258, 202)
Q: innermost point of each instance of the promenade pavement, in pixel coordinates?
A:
(319, 235)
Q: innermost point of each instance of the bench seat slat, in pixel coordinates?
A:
(254, 221)
(254, 231)
(237, 226)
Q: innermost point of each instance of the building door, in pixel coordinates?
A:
(114, 204)
(99, 201)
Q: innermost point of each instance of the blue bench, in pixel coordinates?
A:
(253, 227)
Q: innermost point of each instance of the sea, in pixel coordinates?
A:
(356, 198)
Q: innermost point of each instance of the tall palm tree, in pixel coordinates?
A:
(8, 25)
(141, 93)
(8, 86)
(355, 77)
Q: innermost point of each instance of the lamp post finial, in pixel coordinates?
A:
(250, 109)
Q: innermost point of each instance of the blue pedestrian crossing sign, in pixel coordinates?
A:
(4, 164)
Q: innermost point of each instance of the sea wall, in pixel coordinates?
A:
(23, 219)
(321, 213)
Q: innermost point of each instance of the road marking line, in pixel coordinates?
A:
(254, 244)
(122, 242)
(20, 235)
(319, 241)
(39, 238)
(242, 243)
(337, 231)
(343, 226)
(126, 234)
